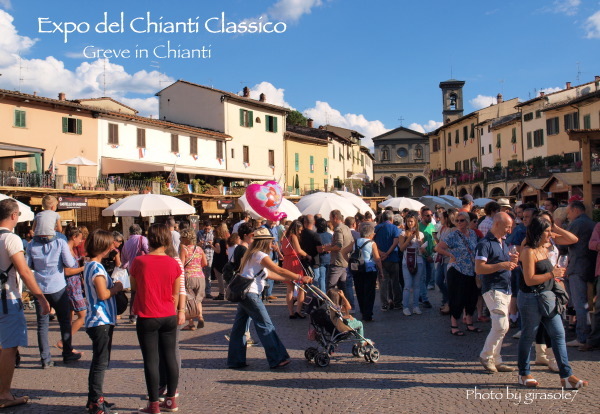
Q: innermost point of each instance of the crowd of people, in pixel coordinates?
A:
(511, 266)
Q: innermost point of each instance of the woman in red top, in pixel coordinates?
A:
(155, 278)
(291, 253)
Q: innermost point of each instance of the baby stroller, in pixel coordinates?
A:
(328, 329)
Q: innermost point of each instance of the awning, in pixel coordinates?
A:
(121, 166)
(20, 148)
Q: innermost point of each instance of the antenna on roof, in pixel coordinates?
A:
(157, 66)
(578, 72)
(401, 119)
(21, 78)
(242, 83)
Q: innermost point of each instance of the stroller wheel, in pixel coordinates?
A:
(373, 355)
(355, 350)
(310, 353)
(322, 359)
(360, 351)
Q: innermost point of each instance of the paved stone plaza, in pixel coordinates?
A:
(423, 369)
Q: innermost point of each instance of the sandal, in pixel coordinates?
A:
(458, 331)
(567, 384)
(282, 364)
(528, 382)
(188, 328)
(200, 323)
(14, 402)
(475, 330)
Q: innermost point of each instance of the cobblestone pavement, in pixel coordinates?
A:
(422, 369)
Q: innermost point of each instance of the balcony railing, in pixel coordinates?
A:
(102, 183)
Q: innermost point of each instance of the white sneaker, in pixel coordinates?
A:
(517, 335)
(406, 312)
(417, 310)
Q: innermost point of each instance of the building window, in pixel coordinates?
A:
(552, 126)
(271, 123)
(348, 153)
(457, 137)
(333, 147)
(246, 150)
(220, 150)
(71, 125)
(513, 139)
(482, 150)
(402, 152)
(466, 166)
(457, 166)
(141, 138)
(174, 143)
(232, 153)
(113, 133)
(571, 121)
(499, 141)
(312, 164)
(326, 167)
(538, 113)
(193, 145)
(465, 133)
(449, 139)
(529, 140)
(538, 138)
(472, 134)
(20, 166)
(435, 144)
(326, 184)
(587, 122)
(490, 149)
(246, 118)
(297, 162)
(71, 174)
(362, 160)
(528, 116)
(272, 158)
(20, 119)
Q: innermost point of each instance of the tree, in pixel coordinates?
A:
(296, 118)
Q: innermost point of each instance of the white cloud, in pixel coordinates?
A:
(274, 96)
(592, 26)
(424, 128)
(292, 10)
(568, 7)
(48, 76)
(482, 101)
(322, 113)
(146, 106)
(549, 90)
(6, 4)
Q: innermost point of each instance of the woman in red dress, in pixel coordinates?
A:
(292, 252)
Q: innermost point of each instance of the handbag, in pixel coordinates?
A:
(122, 302)
(239, 286)
(191, 308)
(121, 275)
(411, 260)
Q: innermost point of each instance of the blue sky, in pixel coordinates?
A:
(361, 65)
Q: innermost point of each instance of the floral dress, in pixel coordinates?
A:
(75, 288)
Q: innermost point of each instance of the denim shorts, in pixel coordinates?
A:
(13, 327)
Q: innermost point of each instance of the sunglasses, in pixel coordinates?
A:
(461, 221)
(427, 215)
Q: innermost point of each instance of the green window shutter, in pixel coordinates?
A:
(79, 127)
(274, 124)
(250, 118)
(72, 174)
(587, 122)
(312, 164)
(498, 141)
(297, 161)
(325, 161)
(65, 125)
(333, 146)
(514, 136)
(312, 183)
(241, 117)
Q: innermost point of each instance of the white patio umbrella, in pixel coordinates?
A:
(481, 202)
(457, 203)
(286, 206)
(148, 205)
(26, 212)
(323, 203)
(432, 201)
(400, 203)
(78, 161)
(358, 202)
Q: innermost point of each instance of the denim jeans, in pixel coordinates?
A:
(440, 280)
(425, 279)
(252, 307)
(390, 289)
(101, 337)
(412, 282)
(365, 284)
(349, 288)
(321, 277)
(530, 320)
(61, 304)
(578, 297)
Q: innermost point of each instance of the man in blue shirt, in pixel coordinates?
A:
(493, 265)
(386, 237)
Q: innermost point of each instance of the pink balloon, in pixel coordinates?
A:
(265, 199)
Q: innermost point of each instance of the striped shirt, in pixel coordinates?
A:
(99, 312)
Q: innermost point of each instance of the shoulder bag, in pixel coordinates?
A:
(239, 286)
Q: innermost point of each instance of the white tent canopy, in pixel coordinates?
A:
(149, 205)
(78, 161)
(26, 212)
(358, 202)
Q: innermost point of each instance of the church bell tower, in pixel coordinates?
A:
(452, 99)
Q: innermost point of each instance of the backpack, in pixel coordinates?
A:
(357, 260)
(4, 281)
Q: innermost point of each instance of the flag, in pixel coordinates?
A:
(51, 167)
(474, 166)
(246, 164)
(195, 156)
(114, 146)
(515, 148)
(172, 179)
(142, 152)
(220, 160)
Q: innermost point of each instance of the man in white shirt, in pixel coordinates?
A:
(245, 219)
(174, 233)
(13, 328)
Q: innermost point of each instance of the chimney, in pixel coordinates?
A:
(263, 97)
(34, 93)
(62, 96)
(499, 98)
(246, 92)
(542, 93)
(568, 85)
(309, 123)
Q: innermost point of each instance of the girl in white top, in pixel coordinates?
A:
(256, 264)
(412, 238)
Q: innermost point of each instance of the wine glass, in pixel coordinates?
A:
(512, 249)
(562, 262)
